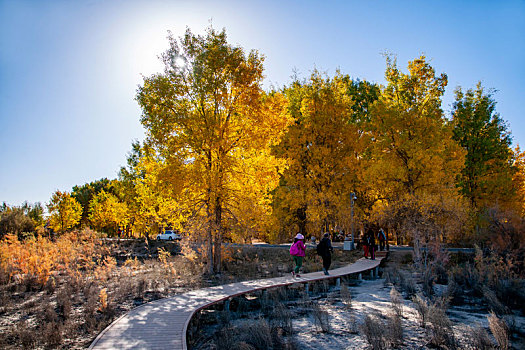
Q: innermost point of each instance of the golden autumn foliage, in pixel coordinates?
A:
(323, 149)
(65, 211)
(41, 257)
(412, 150)
(209, 128)
(106, 212)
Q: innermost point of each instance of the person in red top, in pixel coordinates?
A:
(297, 251)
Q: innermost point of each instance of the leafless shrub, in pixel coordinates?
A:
(394, 327)
(397, 302)
(353, 327)
(478, 339)
(391, 276)
(281, 317)
(321, 318)
(492, 300)
(141, 286)
(256, 333)
(49, 315)
(422, 309)
(499, 330)
(50, 285)
(440, 328)
(346, 296)
(242, 346)
(374, 331)
(428, 283)
(64, 303)
(407, 284)
(25, 335)
(224, 317)
(52, 333)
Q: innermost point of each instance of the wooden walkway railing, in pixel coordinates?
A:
(162, 324)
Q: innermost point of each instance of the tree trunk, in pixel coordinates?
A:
(218, 236)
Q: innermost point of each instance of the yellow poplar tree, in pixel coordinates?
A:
(412, 146)
(210, 126)
(106, 212)
(413, 158)
(65, 211)
(322, 148)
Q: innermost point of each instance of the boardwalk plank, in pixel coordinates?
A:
(162, 324)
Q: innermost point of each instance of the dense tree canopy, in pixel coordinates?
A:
(225, 160)
(322, 149)
(488, 172)
(209, 126)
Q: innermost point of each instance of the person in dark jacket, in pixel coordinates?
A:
(371, 243)
(325, 249)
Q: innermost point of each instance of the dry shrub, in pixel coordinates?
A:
(352, 326)
(428, 283)
(255, 333)
(39, 257)
(493, 302)
(346, 296)
(499, 330)
(440, 327)
(281, 318)
(397, 302)
(103, 299)
(422, 309)
(374, 331)
(394, 329)
(163, 256)
(407, 284)
(52, 334)
(321, 318)
(26, 336)
(478, 338)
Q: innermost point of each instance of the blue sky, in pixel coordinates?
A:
(69, 69)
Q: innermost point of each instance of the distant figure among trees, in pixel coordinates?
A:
(381, 237)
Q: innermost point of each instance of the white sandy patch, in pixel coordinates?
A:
(371, 297)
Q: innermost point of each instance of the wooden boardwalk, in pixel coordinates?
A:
(162, 324)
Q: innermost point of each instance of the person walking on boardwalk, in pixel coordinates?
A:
(381, 237)
(371, 243)
(297, 251)
(325, 250)
(364, 243)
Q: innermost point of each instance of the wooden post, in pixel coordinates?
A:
(338, 282)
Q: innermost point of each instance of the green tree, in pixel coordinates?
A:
(14, 220)
(210, 125)
(65, 212)
(487, 176)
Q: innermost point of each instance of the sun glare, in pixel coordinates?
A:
(180, 62)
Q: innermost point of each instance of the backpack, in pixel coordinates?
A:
(319, 248)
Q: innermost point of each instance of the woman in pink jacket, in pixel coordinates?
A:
(297, 251)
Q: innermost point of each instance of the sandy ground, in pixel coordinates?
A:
(372, 297)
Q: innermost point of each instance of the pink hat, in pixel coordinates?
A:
(299, 236)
